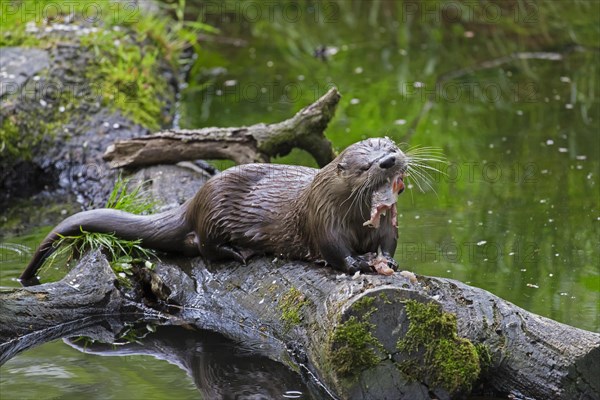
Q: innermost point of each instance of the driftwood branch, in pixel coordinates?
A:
(314, 314)
(256, 143)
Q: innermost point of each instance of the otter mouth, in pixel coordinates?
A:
(384, 200)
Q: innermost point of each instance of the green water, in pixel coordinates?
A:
(517, 211)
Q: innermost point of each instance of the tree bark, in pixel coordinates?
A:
(256, 143)
(309, 309)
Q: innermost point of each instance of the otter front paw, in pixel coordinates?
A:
(354, 264)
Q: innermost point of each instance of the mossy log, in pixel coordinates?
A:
(367, 336)
(256, 143)
(381, 337)
(55, 115)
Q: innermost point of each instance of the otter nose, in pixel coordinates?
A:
(388, 162)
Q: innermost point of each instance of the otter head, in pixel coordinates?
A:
(373, 170)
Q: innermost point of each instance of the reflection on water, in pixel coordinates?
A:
(219, 368)
(60, 372)
(516, 212)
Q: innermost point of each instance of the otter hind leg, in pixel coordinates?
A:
(226, 252)
(191, 245)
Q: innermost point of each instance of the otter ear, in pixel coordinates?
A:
(341, 167)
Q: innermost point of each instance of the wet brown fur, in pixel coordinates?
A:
(289, 211)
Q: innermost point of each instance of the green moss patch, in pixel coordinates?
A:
(354, 348)
(485, 356)
(130, 48)
(20, 133)
(291, 306)
(127, 72)
(436, 353)
(10, 141)
(364, 305)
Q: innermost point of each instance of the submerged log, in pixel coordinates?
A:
(368, 336)
(256, 143)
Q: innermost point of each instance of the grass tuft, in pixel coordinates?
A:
(132, 201)
(122, 254)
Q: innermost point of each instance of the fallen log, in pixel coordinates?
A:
(86, 296)
(360, 335)
(368, 336)
(256, 143)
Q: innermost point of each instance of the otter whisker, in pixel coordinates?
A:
(428, 157)
(356, 195)
(427, 184)
(416, 182)
(419, 149)
(420, 173)
(362, 198)
(431, 157)
(426, 171)
(359, 199)
(428, 167)
(422, 152)
(441, 156)
(424, 176)
(353, 197)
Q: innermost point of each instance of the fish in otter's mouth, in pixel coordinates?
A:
(384, 199)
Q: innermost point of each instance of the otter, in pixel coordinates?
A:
(343, 214)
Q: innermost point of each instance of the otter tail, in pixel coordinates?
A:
(168, 231)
